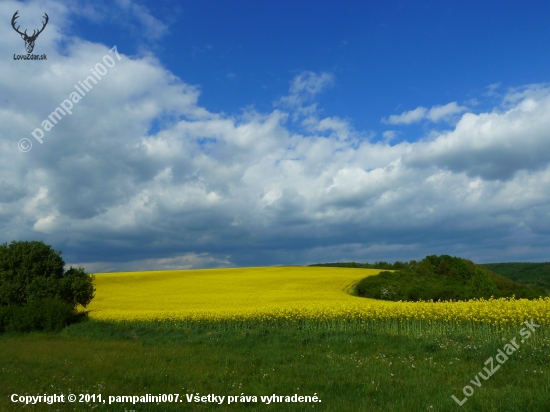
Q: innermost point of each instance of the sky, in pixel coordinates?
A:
(196, 134)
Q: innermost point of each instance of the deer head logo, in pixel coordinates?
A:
(29, 40)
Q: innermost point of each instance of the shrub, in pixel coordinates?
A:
(35, 291)
(47, 315)
(388, 292)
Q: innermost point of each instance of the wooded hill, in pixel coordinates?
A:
(523, 272)
(437, 278)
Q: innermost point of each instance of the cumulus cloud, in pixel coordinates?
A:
(207, 189)
(188, 261)
(435, 114)
(493, 146)
(390, 135)
(491, 90)
(411, 116)
(303, 90)
(129, 14)
(514, 95)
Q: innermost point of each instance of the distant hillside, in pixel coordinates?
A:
(377, 265)
(437, 278)
(523, 272)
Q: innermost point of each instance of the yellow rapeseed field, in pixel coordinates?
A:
(269, 293)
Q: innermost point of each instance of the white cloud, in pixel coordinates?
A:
(491, 90)
(517, 94)
(390, 135)
(303, 89)
(310, 83)
(411, 116)
(215, 190)
(187, 261)
(129, 14)
(154, 28)
(435, 114)
(492, 145)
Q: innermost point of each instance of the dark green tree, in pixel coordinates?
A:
(34, 270)
(481, 284)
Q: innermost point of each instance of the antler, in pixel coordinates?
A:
(34, 33)
(43, 25)
(15, 16)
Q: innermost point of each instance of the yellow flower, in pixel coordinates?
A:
(283, 293)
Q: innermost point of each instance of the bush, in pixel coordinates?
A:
(35, 292)
(388, 292)
(47, 315)
(33, 270)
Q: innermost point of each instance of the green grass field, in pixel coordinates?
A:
(348, 370)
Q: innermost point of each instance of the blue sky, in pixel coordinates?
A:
(290, 132)
(385, 57)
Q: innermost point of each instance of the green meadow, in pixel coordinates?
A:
(349, 370)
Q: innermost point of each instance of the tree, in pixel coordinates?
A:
(31, 271)
(444, 267)
(399, 265)
(481, 283)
